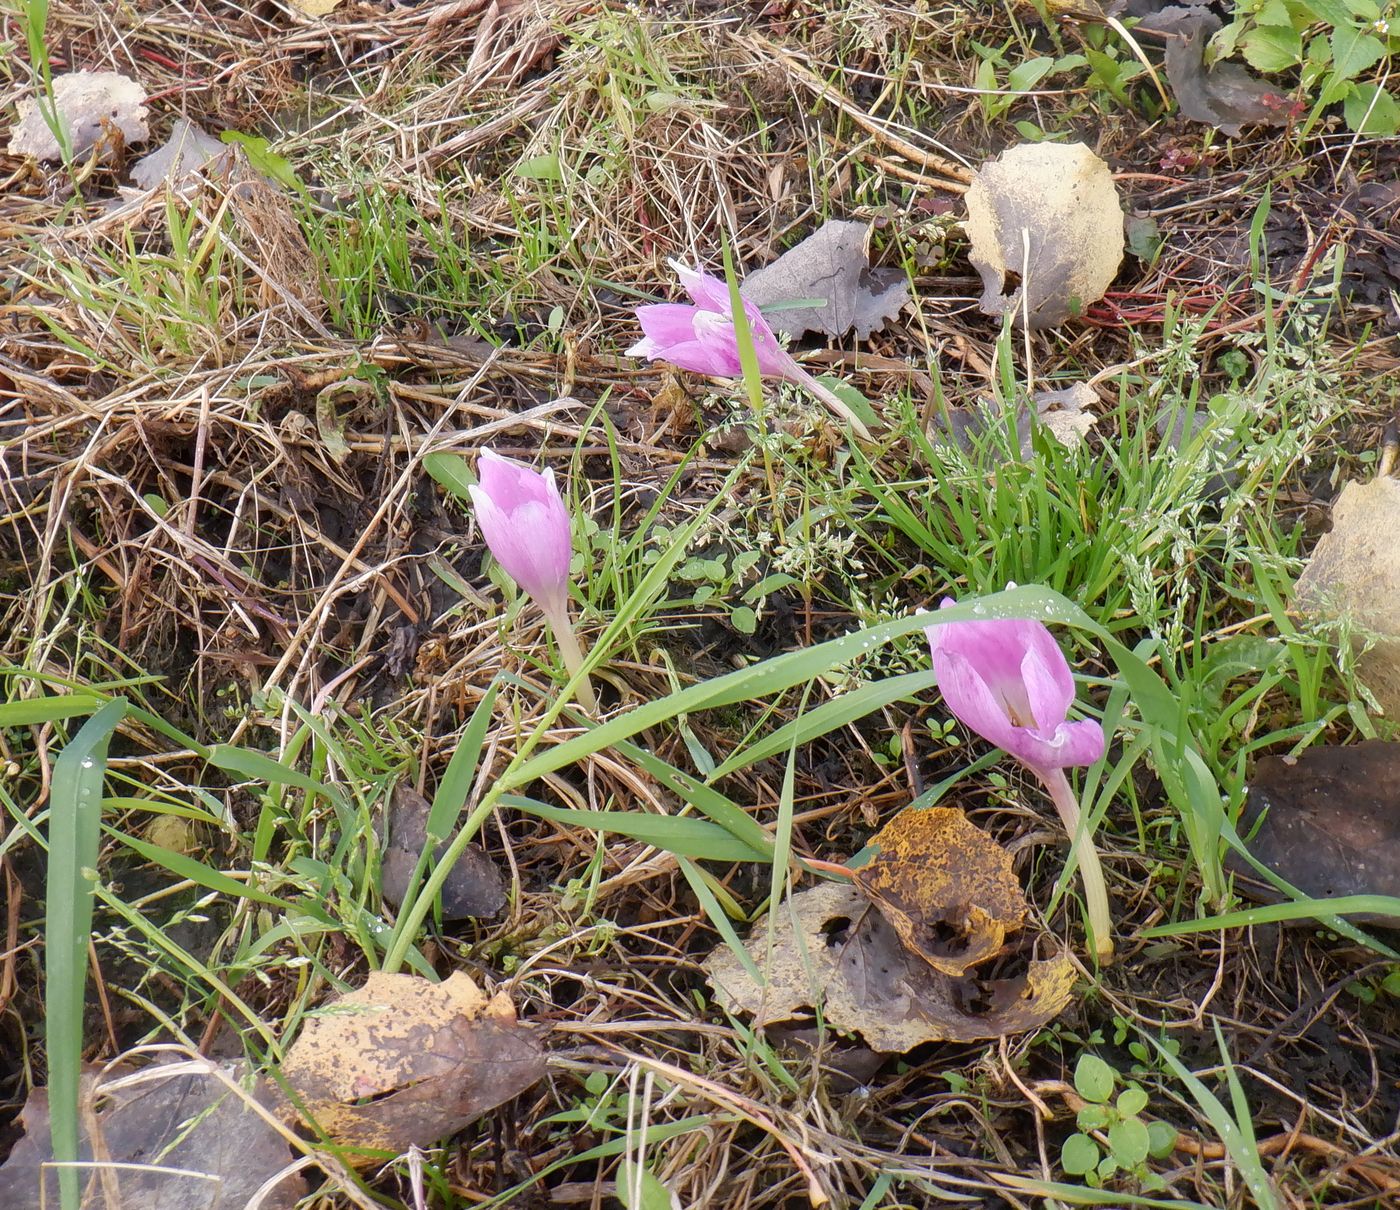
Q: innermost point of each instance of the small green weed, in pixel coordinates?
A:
(1113, 1138)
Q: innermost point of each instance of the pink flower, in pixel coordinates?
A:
(1007, 679)
(527, 528)
(701, 339)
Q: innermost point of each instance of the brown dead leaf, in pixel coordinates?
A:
(1355, 574)
(946, 886)
(1330, 826)
(315, 8)
(179, 1116)
(1225, 96)
(835, 949)
(187, 150)
(90, 103)
(831, 265)
(1065, 414)
(1046, 229)
(404, 1061)
(474, 889)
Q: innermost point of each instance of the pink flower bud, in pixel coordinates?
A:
(526, 526)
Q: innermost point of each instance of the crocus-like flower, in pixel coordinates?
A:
(526, 525)
(701, 338)
(1008, 680)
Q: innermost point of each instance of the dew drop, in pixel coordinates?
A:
(87, 762)
(1010, 584)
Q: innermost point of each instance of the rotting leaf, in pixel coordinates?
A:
(947, 887)
(180, 1116)
(1065, 414)
(831, 264)
(188, 149)
(835, 948)
(1330, 826)
(1046, 229)
(1354, 573)
(1226, 95)
(474, 888)
(404, 1062)
(90, 104)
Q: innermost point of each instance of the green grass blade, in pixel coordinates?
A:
(829, 716)
(211, 879)
(75, 825)
(456, 784)
(705, 799)
(795, 668)
(681, 835)
(1238, 1143)
(46, 709)
(258, 766)
(1300, 909)
(717, 916)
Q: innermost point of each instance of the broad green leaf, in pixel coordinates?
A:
(1080, 1154)
(1094, 1079)
(1372, 110)
(1272, 47)
(1353, 51)
(1129, 1141)
(450, 471)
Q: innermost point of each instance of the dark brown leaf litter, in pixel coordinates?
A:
(474, 889)
(1331, 821)
(174, 1117)
(891, 958)
(1225, 96)
(404, 1062)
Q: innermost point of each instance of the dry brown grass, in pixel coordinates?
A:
(285, 571)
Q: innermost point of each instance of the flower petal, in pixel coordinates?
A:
(1047, 679)
(668, 323)
(708, 291)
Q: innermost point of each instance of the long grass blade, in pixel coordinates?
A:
(75, 826)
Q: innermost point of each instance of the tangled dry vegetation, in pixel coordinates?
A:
(215, 401)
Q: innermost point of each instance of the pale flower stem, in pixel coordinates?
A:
(1090, 871)
(830, 398)
(563, 627)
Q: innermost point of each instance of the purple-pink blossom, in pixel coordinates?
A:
(526, 525)
(1007, 679)
(701, 338)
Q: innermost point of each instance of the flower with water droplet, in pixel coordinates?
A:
(1008, 680)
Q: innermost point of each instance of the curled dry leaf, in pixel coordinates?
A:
(1355, 574)
(91, 104)
(946, 886)
(187, 150)
(834, 948)
(1046, 229)
(181, 1117)
(404, 1062)
(1065, 413)
(474, 889)
(830, 265)
(1330, 826)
